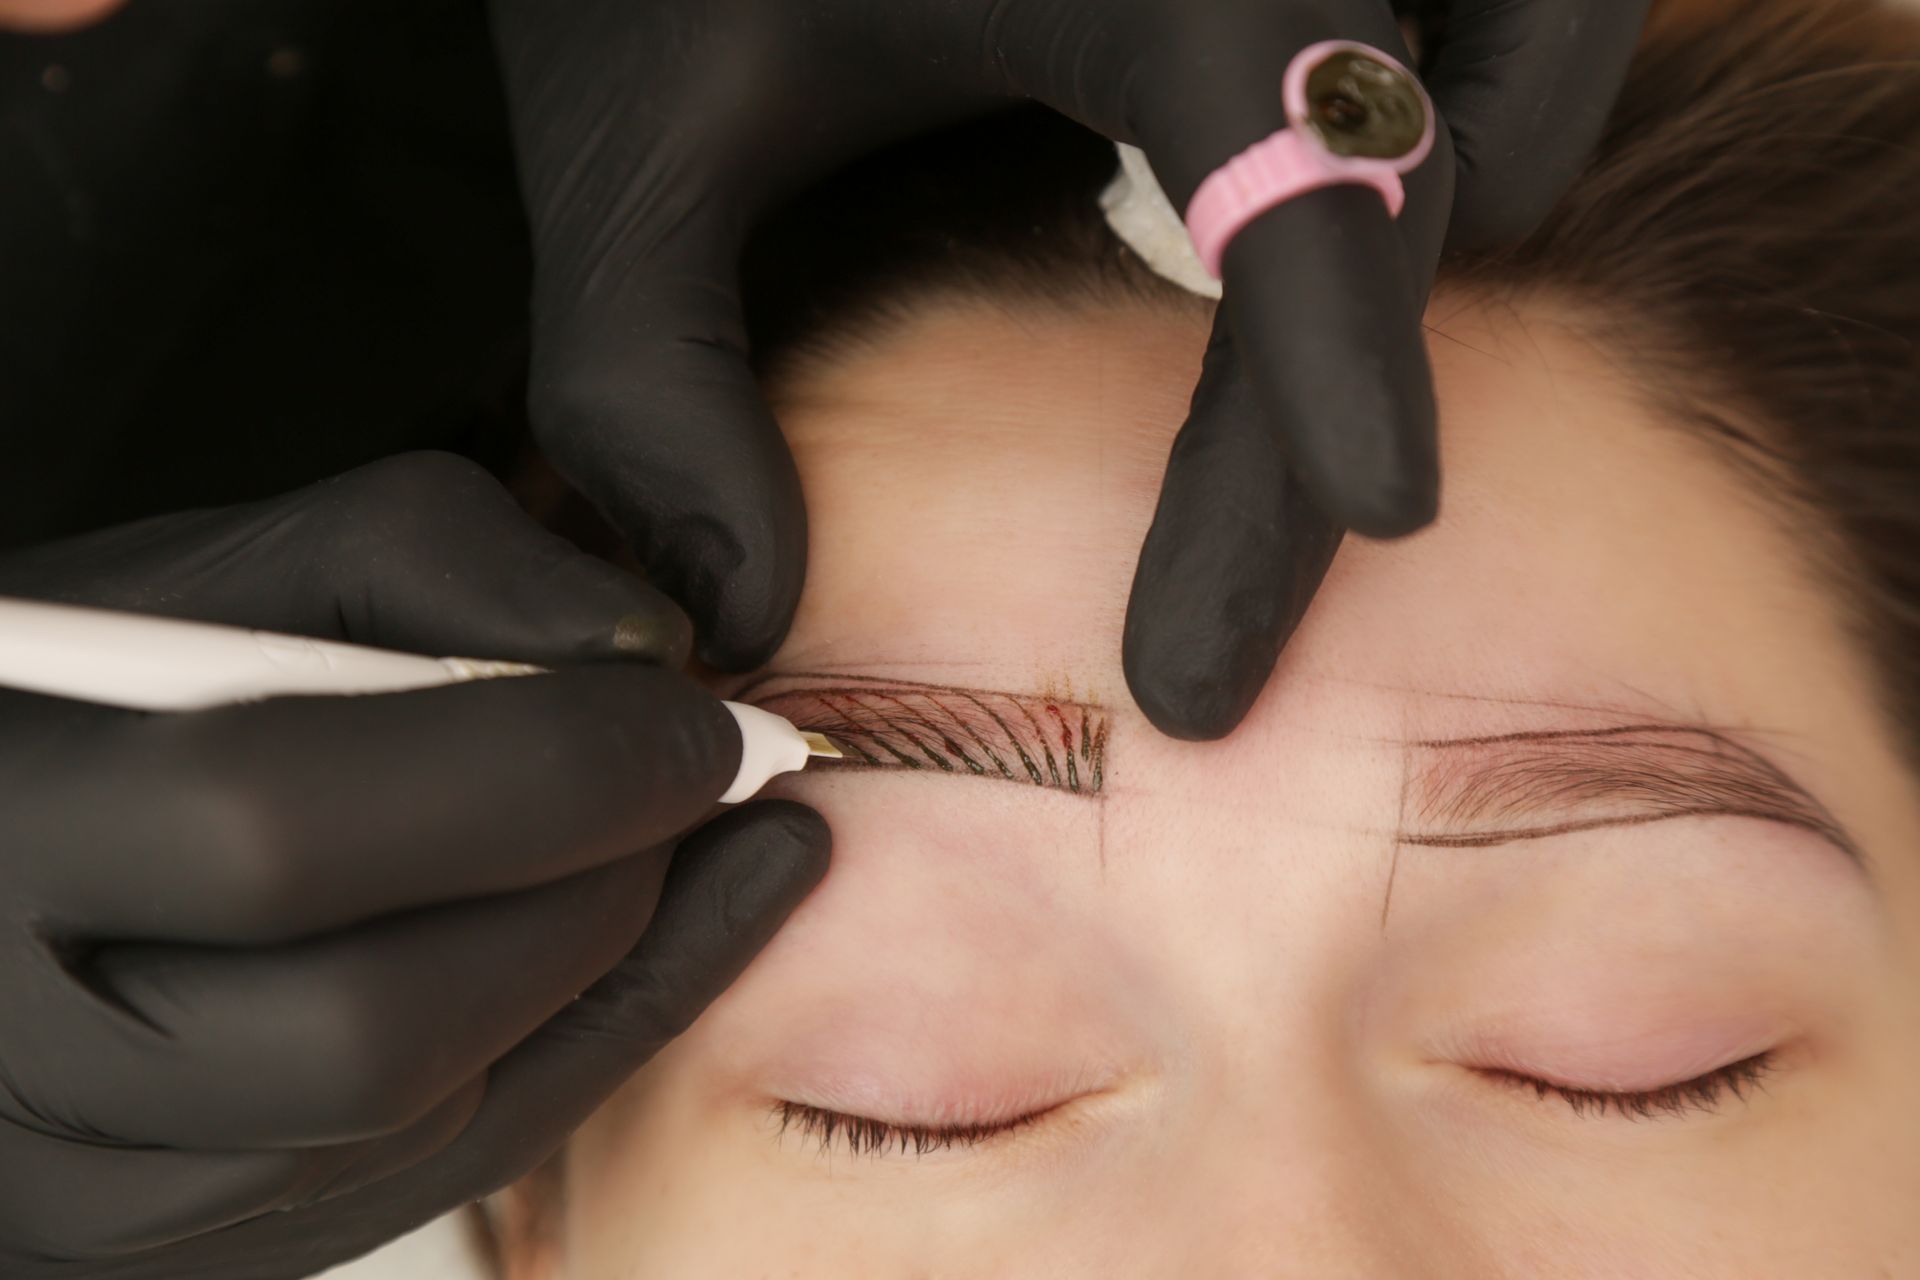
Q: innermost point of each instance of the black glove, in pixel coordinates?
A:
(651, 137)
(320, 956)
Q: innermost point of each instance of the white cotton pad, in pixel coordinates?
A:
(1141, 215)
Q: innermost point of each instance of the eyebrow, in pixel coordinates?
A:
(1476, 792)
(1469, 792)
(1031, 739)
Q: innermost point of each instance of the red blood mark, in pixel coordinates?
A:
(909, 724)
(1066, 730)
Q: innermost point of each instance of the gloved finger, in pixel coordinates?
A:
(423, 552)
(643, 398)
(351, 1036)
(1194, 85)
(78, 1205)
(730, 887)
(1222, 582)
(276, 820)
(1334, 304)
(1235, 552)
(1322, 298)
(1526, 89)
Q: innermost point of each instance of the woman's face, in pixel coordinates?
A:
(1553, 913)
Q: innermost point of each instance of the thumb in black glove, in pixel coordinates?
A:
(320, 956)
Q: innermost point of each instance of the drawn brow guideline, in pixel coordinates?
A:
(1468, 792)
(903, 724)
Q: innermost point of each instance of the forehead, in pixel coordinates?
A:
(980, 483)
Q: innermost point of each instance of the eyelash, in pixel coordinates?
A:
(863, 1136)
(1700, 1094)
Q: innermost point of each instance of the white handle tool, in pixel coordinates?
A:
(164, 664)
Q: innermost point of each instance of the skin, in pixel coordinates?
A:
(1264, 1057)
(54, 15)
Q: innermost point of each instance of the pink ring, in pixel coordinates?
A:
(1292, 162)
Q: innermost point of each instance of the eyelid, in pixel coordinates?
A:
(843, 1116)
(863, 1135)
(1618, 1049)
(1700, 1094)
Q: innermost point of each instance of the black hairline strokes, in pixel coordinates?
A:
(1055, 743)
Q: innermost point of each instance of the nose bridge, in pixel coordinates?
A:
(1280, 1162)
(1292, 1179)
(1292, 1168)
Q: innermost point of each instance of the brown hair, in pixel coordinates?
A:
(1747, 235)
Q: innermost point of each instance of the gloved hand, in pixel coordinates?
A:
(651, 136)
(281, 981)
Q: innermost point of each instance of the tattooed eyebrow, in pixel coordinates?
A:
(984, 733)
(1474, 792)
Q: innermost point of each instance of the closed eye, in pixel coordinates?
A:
(861, 1135)
(1712, 1092)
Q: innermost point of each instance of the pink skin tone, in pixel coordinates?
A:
(54, 15)
(1271, 1034)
